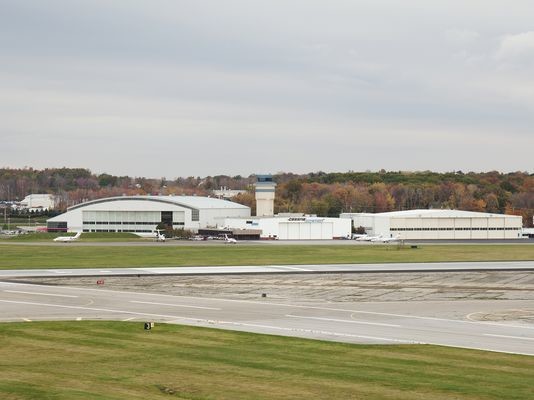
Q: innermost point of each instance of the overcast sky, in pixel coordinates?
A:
(178, 88)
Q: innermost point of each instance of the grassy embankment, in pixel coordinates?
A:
(114, 360)
(73, 256)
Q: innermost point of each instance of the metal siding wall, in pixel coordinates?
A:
(316, 231)
(293, 230)
(328, 230)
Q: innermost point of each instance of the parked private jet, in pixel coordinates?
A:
(361, 237)
(229, 239)
(68, 238)
(386, 239)
(367, 238)
(391, 239)
(160, 237)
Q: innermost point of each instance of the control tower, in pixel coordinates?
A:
(265, 195)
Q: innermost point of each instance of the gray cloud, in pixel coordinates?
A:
(192, 88)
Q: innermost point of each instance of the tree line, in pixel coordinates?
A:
(320, 193)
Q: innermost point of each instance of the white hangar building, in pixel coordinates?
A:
(438, 224)
(294, 227)
(141, 214)
(38, 202)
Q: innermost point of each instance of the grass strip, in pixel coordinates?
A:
(118, 360)
(87, 237)
(72, 256)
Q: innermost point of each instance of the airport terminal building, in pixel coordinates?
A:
(438, 224)
(141, 214)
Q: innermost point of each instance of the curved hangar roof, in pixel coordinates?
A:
(191, 202)
(436, 213)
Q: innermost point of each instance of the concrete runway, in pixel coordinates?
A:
(447, 323)
(275, 269)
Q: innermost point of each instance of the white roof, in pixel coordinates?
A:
(196, 202)
(435, 213)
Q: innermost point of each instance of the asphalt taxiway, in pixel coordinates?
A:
(446, 323)
(274, 269)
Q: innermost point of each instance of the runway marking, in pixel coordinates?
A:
(340, 309)
(470, 316)
(322, 332)
(509, 337)
(174, 305)
(289, 305)
(128, 319)
(110, 310)
(79, 319)
(480, 348)
(344, 320)
(290, 268)
(106, 271)
(26, 320)
(208, 321)
(41, 294)
(59, 271)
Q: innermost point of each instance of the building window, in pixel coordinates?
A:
(56, 227)
(195, 215)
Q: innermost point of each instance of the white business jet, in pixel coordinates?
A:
(68, 238)
(386, 239)
(368, 238)
(229, 239)
(160, 237)
(361, 237)
(391, 239)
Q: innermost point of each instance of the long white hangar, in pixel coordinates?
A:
(438, 224)
(141, 214)
(294, 227)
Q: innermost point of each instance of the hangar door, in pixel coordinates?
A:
(306, 230)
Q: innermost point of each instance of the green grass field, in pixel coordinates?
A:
(87, 237)
(118, 360)
(73, 256)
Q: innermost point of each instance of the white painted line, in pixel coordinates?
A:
(59, 271)
(344, 321)
(106, 271)
(288, 305)
(26, 320)
(208, 321)
(471, 318)
(174, 305)
(480, 348)
(109, 310)
(79, 319)
(509, 337)
(329, 333)
(40, 294)
(328, 309)
(286, 267)
(128, 319)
